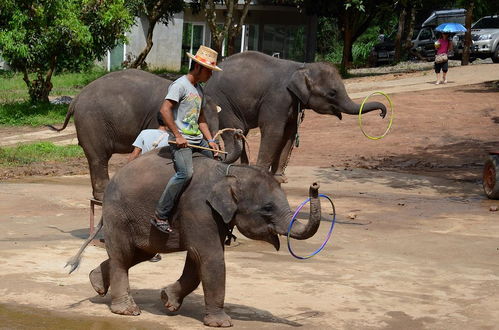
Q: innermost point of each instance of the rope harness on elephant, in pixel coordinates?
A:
(238, 132)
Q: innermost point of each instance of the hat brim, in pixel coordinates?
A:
(206, 65)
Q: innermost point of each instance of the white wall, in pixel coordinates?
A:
(167, 42)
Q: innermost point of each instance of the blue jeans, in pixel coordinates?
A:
(182, 158)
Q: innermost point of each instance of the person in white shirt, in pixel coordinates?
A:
(150, 139)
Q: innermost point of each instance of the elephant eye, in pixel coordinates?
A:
(331, 94)
(268, 208)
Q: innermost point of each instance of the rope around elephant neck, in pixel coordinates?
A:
(298, 209)
(242, 136)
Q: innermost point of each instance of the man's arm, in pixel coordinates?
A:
(203, 127)
(167, 114)
(135, 153)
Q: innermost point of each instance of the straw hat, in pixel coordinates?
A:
(207, 57)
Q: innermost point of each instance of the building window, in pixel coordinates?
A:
(284, 41)
(192, 38)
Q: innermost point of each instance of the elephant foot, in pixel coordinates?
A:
(219, 319)
(97, 281)
(281, 178)
(125, 306)
(171, 301)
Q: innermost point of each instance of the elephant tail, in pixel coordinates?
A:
(74, 261)
(70, 112)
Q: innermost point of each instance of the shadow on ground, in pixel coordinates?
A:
(488, 87)
(461, 162)
(193, 307)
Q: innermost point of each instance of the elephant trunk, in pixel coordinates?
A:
(353, 108)
(233, 143)
(300, 230)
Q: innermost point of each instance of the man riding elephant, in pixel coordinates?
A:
(181, 112)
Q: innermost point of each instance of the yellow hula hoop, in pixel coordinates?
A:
(391, 116)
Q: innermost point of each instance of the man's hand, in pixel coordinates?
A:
(213, 145)
(135, 153)
(181, 142)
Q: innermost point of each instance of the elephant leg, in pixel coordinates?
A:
(99, 278)
(244, 155)
(212, 271)
(121, 300)
(270, 144)
(279, 166)
(99, 175)
(174, 294)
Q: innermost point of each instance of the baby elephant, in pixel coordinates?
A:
(218, 198)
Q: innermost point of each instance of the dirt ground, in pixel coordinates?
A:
(414, 247)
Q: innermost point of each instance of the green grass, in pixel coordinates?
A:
(14, 89)
(25, 113)
(16, 110)
(25, 154)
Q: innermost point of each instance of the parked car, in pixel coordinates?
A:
(423, 46)
(484, 39)
(485, 36)
(383, 52)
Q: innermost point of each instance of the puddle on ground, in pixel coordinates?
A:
(21, 317)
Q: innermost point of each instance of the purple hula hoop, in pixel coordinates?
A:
(298, 209)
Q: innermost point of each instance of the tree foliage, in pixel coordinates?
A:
(232, 24)
(156, 11)
(354, 18)
(37, 35)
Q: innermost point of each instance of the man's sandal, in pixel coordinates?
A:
(162, 225)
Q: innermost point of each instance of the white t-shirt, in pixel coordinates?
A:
(148, 137)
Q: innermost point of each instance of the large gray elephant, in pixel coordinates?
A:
(218, 198)
(110, 112)
(257, 90)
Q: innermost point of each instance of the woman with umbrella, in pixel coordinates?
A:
(443, 46)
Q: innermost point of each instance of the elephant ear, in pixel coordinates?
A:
(223, 199)
(299, 85)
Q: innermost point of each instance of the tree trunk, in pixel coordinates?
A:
(39, 89)
(400, 31)
(140, 60)
(231, 46)
(410, 28)
(467, 36)
(346, 60)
